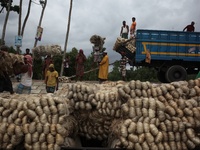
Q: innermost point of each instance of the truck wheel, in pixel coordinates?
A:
(161, 76)
(176, 73)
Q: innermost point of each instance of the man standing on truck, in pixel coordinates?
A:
(190, 28)
(133, 28)
(124, 30)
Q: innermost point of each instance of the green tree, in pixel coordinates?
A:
(90, 65)
(142, 74)
(115, 74)
(72, 55)
(37, 69)
(57, 62)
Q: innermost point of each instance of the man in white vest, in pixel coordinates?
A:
(124, 30)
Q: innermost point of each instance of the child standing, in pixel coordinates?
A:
(51, 79)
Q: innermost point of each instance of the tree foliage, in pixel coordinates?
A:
(142, 74)
(115, 74)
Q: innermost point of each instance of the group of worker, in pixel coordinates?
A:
(25, 70)
(125, 29)
(51, 75)
(124, 32)
(103, 65)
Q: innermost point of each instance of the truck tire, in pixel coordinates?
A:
(161, 77)
(176, 73)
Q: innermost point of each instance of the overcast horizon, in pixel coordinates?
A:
(103, 18)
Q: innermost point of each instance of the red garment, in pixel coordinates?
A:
(80, 59)
(29, 61)
(47, 62)
(133, 27)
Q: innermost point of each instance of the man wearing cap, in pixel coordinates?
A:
(51, 79)
(103, 68)
(24, 87)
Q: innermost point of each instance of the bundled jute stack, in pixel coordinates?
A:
(129, 44)
(97, 41)
(46, 50)
(8, 60)
(42, 122)
(162, 117)
(131, 115)
(95, 107)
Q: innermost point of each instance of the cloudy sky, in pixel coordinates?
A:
(100, 17)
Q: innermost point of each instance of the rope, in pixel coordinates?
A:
(89, 71)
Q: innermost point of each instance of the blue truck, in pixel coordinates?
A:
(174, 54)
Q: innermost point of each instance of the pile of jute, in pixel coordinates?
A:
(131, 115)
(98, 41)
(39, 121)
(139, 115)
(8, 60)
(121, 43)
(42, 51)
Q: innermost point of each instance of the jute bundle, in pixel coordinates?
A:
(46, 50)
(103, 97)
(8, 60)
(128, 44)
(91, 130)
(10, 135)
(133, 115)
(43, 121)
(11, 119)
(95, 107)
(97, 41)
(64, 79)
(81, 95)
(166, 117)
(131, 48)
(118, 43)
